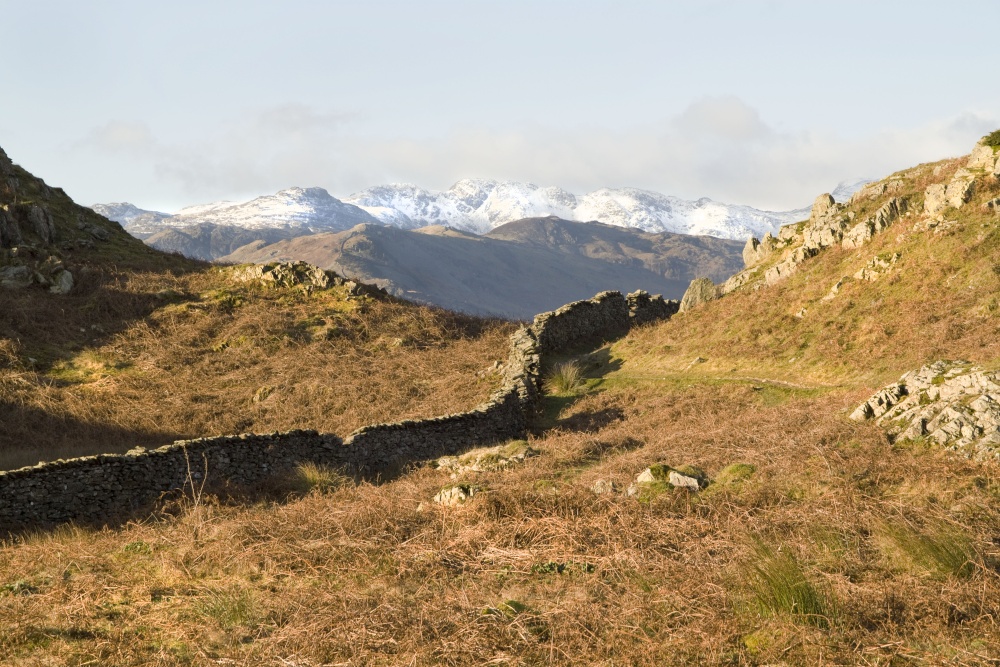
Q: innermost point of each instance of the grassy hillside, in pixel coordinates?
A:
(817, 541)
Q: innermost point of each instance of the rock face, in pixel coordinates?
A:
(5, 163)
(863, 232)
(953, 403)
(938, 197)
(701, 290)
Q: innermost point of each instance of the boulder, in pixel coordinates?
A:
(822, 206)
(662, 476)
(935, 200)
(62, 282)
(603, 487)
(451, 496)
(960, 190)
(983, 157)
(701, 290)
(16, 277)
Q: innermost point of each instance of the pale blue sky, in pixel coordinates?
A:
(759, 102)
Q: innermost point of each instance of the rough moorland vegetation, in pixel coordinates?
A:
(816, 540)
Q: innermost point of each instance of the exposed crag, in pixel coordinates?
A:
(852, 225)
(953, 403)
(46, 239)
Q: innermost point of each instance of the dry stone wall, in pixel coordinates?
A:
(107, 488)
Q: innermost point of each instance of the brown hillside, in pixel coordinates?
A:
(816, 540)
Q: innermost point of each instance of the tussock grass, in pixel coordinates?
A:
(937, 549)
(565, 377)
(778, 585)
(312, 477)
(377, 574)
(361, 575)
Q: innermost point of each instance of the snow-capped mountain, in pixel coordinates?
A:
(132, 218)
(481, 205)
(472, 205)
(301, 210)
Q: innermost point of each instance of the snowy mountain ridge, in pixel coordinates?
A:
(472, 205)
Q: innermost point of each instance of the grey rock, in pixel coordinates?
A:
(961, 188)
(952, 403)
(935, 200)
(822, 206)
(453, 496)
(604, 487)
(62, 282)
(983, 157)
(6, 166)
(701, 290)
(41, 222)
(16, 277)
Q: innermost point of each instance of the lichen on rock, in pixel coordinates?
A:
(952, 403)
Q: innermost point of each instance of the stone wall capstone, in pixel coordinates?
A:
(112, 487)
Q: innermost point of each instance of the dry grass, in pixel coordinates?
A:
(818, 542)
(144, 359)
(938, 301)
(537, 569)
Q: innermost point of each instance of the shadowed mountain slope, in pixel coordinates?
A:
(521, 269)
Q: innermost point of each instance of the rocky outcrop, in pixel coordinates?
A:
(984, 158)
(701, 290)
(755, 252)
(863, 232)
(952, 403)
(303, 274)
(877, 267)
(25, 266)
(6, 165)
(938, 197)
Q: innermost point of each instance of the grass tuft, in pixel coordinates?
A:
(565, 377)
(779, 587)
(312, 477)
(231, 608)
(938, 549)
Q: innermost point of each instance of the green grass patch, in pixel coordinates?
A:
(937, 549)
(778, 586)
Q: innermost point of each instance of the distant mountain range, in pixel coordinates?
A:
(475, 206)
(516, 270)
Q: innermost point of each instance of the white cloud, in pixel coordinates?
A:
(718, 147)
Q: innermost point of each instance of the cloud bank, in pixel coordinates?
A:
(718, 147)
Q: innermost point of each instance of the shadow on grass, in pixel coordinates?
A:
(30, 435)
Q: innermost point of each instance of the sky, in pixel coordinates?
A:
(760, 102)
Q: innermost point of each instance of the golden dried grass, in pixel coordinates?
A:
(144, 359)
